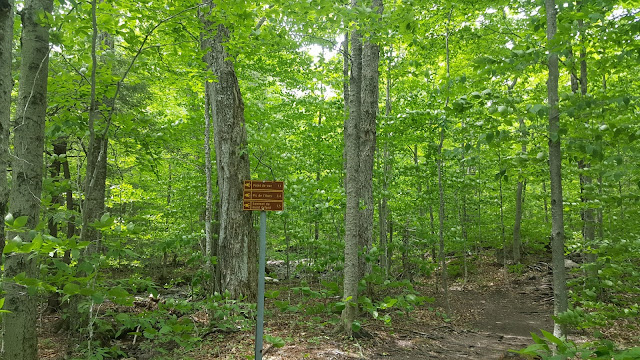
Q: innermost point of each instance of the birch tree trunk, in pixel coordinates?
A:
(237, 240)
(6, 85)
(20, 338)
(555, 165)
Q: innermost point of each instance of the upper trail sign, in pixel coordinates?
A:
(263, 195)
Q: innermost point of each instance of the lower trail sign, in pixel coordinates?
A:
(262, 196)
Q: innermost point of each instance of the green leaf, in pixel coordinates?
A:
(338, 307)
(71, 289)
(275, 340)
(272, 294)
(356, 326)
(562, 347)
(20, 222)
(118, 293)
(97, 298)
(104, 217)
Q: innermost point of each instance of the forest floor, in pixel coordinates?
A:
(491, 313)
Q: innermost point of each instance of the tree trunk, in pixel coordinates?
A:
(237, 240)
(96, 172)
(352, 186)
(59, 148)
(360, 144)
(6, 85)
(555, 164)
(367, 147)
(208, 235)
(94, 189)
(20, 338)
(71, 224)
(345, 95)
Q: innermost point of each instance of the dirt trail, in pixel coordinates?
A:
(490, 316)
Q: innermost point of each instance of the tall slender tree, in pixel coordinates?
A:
(352, 186)
(96, 176)
(555, 170)
(20, 338)
(367, 147)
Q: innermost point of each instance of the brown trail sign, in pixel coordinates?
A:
(263, 195)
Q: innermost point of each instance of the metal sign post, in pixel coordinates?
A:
(264, 196)
(261, 262)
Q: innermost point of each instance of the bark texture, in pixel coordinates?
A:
(555, 170)
(360, 145)
(237, 239)
(20, 337)
(370, 93)
(6, 84)
(94, 189)
(352, 186)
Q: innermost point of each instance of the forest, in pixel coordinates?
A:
(461, 179)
